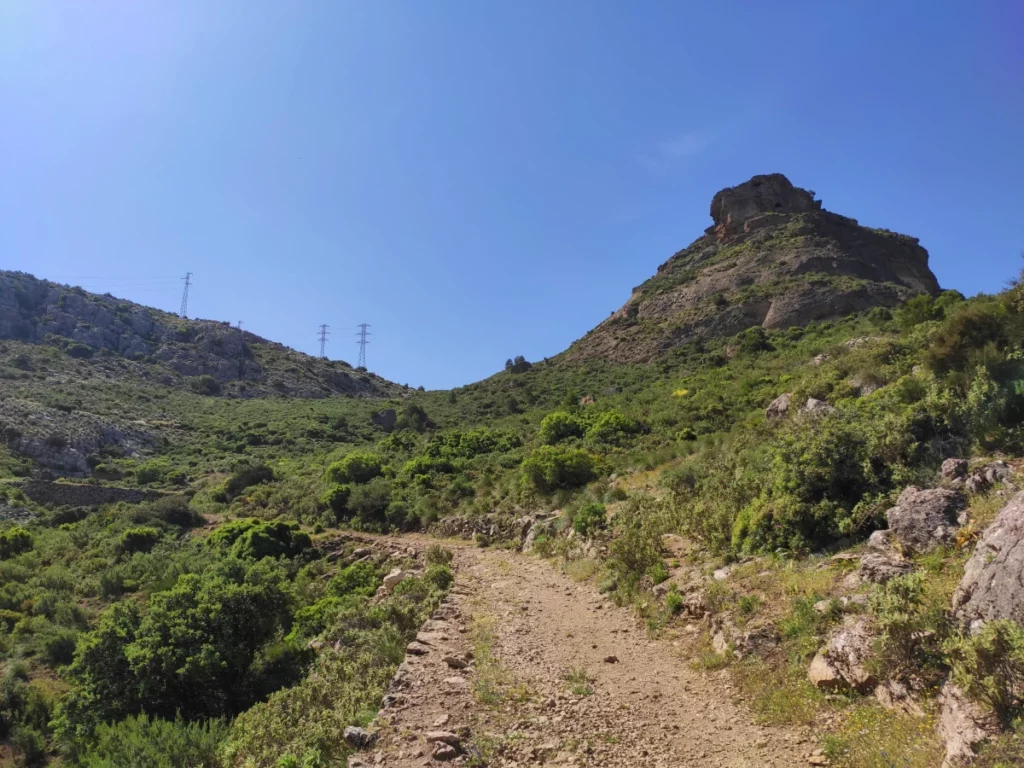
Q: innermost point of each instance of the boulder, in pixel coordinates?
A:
(992, 587)
(881, 541)
(385, 419)
(963, 725)
(814, 407)
(925, 519)
(845, 656)
(360, 738)
(953, 469)
(895, 695)
(393, 579)
(779, 407)
(878, 568)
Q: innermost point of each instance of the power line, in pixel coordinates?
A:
(184, 296)
(324, 333)
(362, 333)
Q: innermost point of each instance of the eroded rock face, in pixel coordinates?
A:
(963, 725)
(773, 258)
(771, 193)
(925, 519)
(779, 407)
(993, 585)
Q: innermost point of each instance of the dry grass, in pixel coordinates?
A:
(583, 569)
(779, 695)
(493, 684)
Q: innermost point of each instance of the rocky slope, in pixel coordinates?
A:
(167, 349)
(773, 258)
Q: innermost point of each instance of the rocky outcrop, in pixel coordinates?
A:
(925, 519)
(992, 586)
(494, 527)
(779, 407)
(740, 208)
(773, 258)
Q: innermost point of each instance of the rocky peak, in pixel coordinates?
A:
(770, 193)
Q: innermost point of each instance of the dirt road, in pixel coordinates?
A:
(557, 675)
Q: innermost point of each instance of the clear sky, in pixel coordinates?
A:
(480, 179)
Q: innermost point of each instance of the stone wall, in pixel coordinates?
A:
(83, 495)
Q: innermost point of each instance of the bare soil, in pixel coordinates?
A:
(560, 676)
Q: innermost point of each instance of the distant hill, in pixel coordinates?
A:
(773, 258)
(203, 355)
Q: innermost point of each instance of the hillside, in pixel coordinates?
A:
(773, 258)
(193, 573)
(122, 339)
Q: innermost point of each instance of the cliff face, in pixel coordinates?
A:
(168, 349)
(773, 258)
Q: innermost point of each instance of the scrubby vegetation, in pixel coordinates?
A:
(127, 626)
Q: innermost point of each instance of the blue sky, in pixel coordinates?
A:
(483, 179)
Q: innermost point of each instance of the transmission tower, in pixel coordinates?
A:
(362, 333)
(184, 296)
(239, 325)
(324, 333)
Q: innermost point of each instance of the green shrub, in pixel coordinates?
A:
(989, 666)
(141, 539)
(368, 504)
(559, 426)
(910, 629)
(14, 541)
(336, 499)
(29, 744)
(247, 476)
(205, 385)
(142, 742)
(590, 519)
(612, 428)
(438, 555)
(357, 467)
(255, 539)
(674, 602)
(549, 468)
(439, 576)
(59, 647)
(361, 578)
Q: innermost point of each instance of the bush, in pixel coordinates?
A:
(59, 647)
(549, 468)
(559, 426)
(30, 744)
(674, 602)
(336, 499)
(357, 467)
(612, 428)
(14, 541)
(368, 503)
(361, 578)
(142, 742)
(141, 539)
(247, 476)
(438, 555)
(252, 539)
(989, 666)
(589, 520)
(908, 643)
(205, 385)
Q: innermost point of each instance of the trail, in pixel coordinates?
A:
(637, 701)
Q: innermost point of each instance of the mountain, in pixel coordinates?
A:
(124, 338)
(773, 258)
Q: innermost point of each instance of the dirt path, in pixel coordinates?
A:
(558, 675)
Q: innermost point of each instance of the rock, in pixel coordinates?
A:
(360, 738)
(953, 469)
(445, 737)
(417, 649)
(991, 587)
(695, 606)
(819, 359)
(393, 579)
(758, 641)
(824, 675)
(362, 552)
(817, 760)
(444, 752)
(845, 656)
(881, 541)
(925, 519)
(455, 662)
(878, 568)
(779, 407)
(721, 574)
(385, 419)
(963, 725)
(719, 642)
(894, 695)
(770, 193)
(611, 659)
(815, 407)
